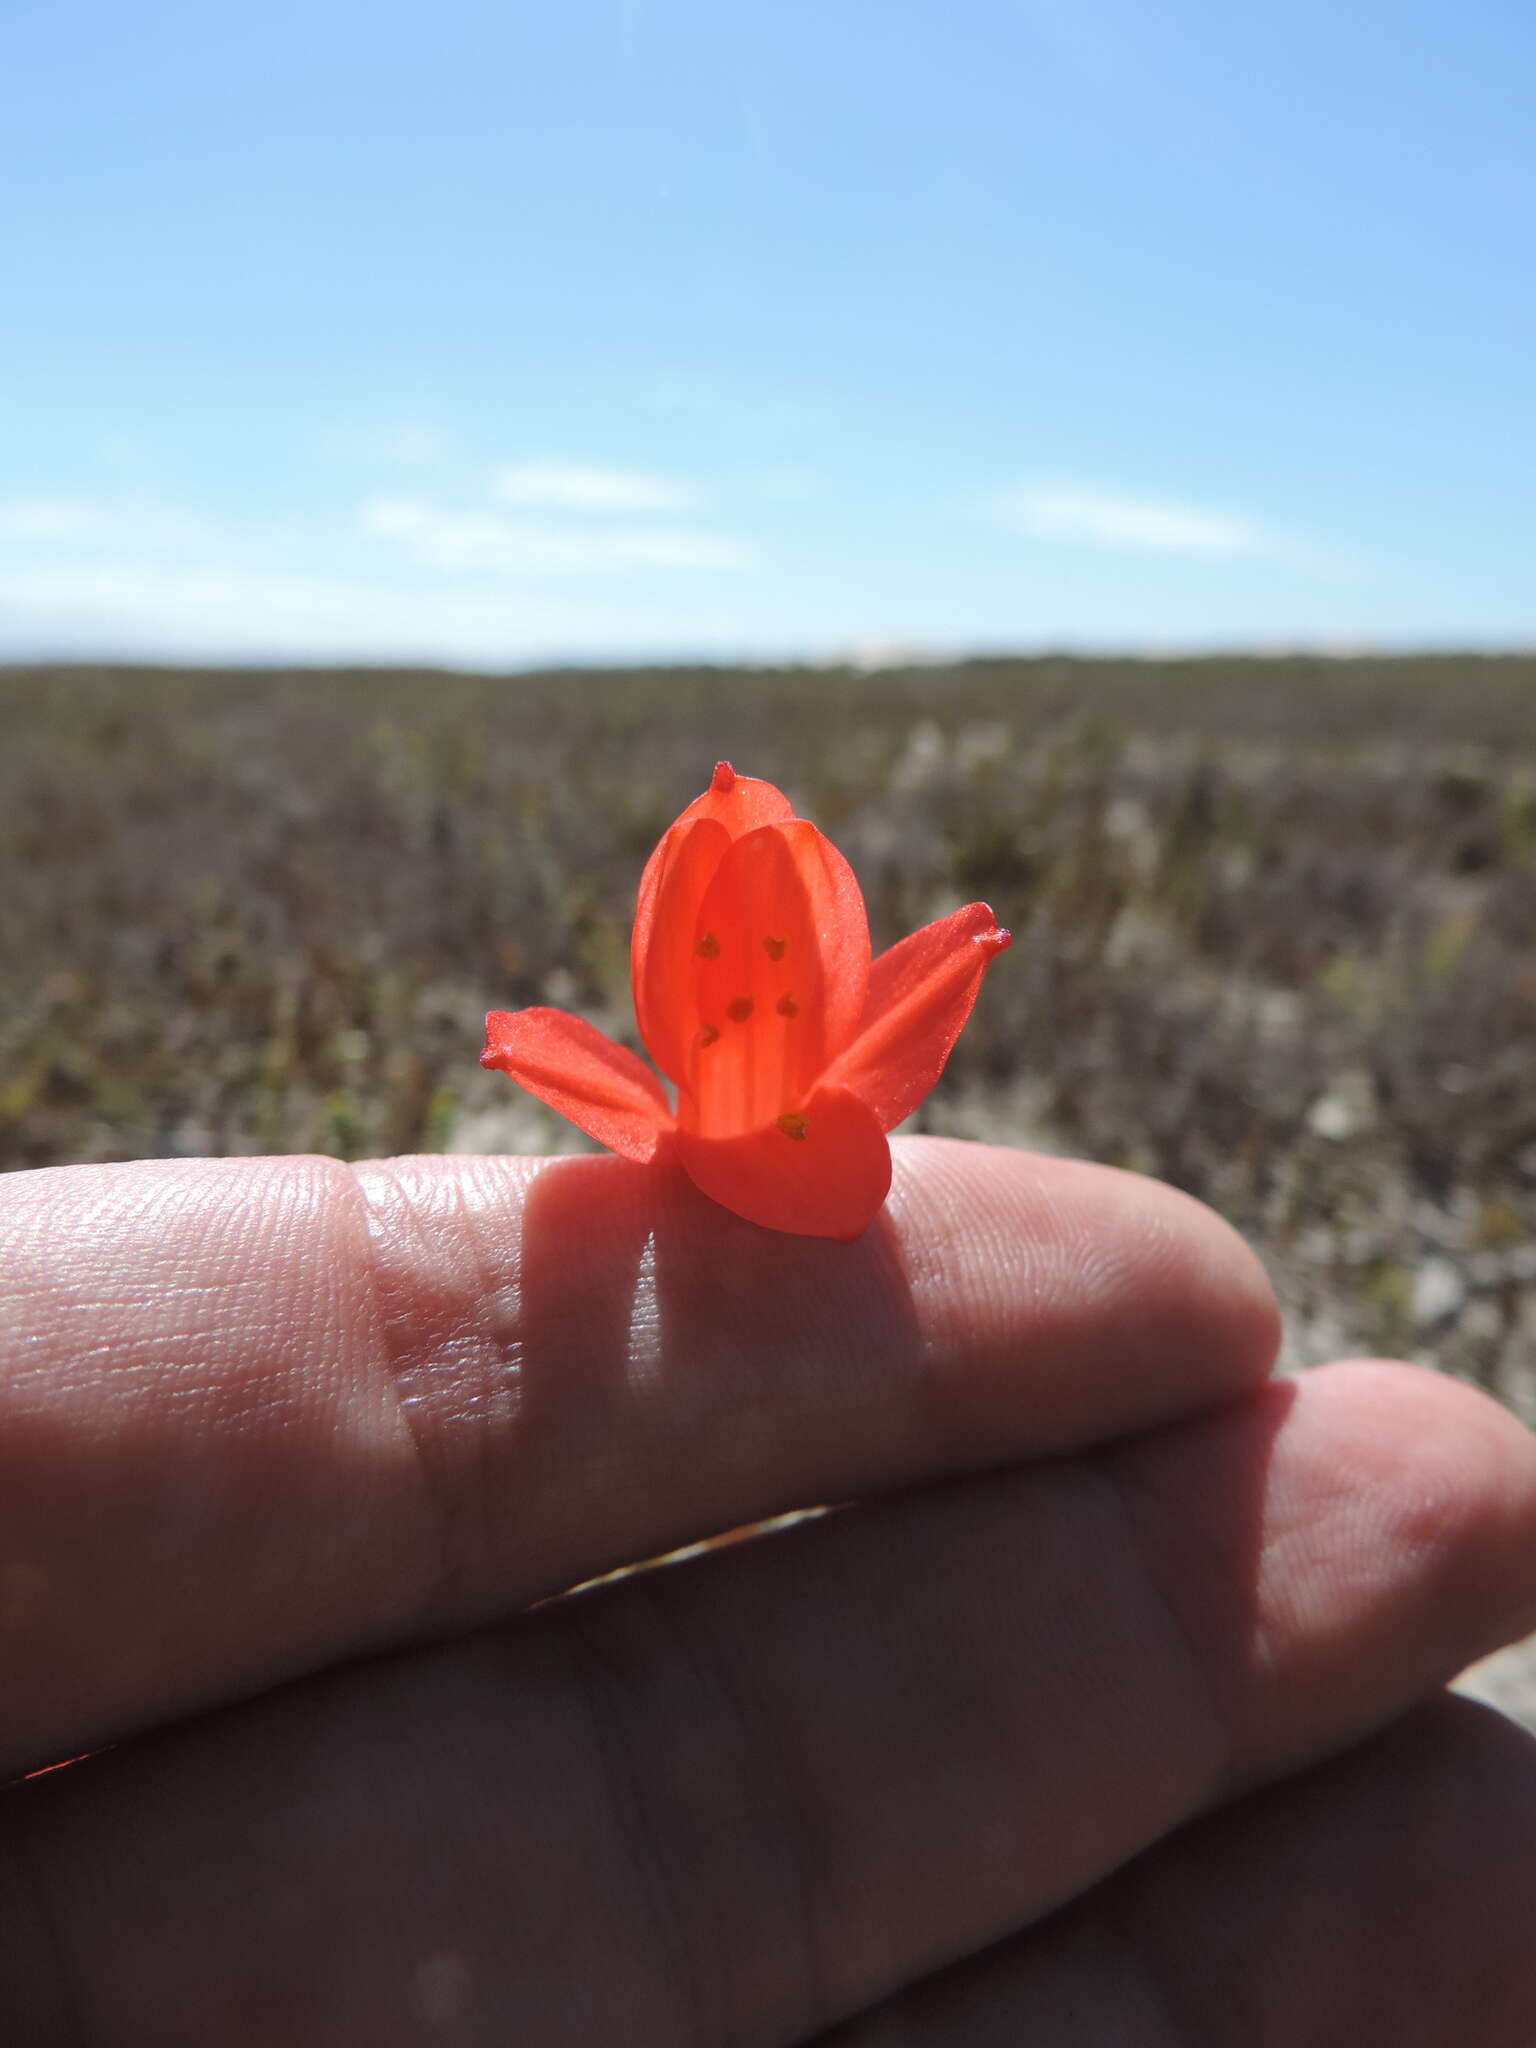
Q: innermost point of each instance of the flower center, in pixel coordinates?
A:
(750, 1066)
(751, 985)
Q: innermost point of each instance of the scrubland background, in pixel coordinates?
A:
(1274, 919)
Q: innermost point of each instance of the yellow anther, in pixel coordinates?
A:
(792, 1124)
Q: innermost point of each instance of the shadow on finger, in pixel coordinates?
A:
(1382, 1898)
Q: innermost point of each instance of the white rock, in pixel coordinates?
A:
(1348, 1106)
(1439, 1292)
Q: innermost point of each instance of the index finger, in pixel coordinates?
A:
(256, 1416)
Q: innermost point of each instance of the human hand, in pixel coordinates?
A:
(1117, 1670)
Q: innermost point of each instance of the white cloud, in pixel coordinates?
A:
(482, 541)
(580, 487)
(143, 521)
(145, 611)
(49, 519)
(1094, 517)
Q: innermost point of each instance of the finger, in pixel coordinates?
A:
(1384, 1897)
(770, 1787)
(255, 1415)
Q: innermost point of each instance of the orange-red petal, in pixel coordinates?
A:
(738, 803)
(842, 929)
(823, 1172)
(776, 978)
(666, 925)
(605, 1090)
(920, 993)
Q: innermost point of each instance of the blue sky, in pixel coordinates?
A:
(491, 333)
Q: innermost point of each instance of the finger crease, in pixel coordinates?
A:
(1200, 1658)
(443, 1505)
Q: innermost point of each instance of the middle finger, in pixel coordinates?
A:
(768, 1788)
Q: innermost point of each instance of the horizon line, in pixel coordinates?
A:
(858, 658)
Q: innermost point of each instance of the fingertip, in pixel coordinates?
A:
(1425, 1396)
(1380, 1517)
(1447, 1473)
(1136, 1303)
(1426, 1436)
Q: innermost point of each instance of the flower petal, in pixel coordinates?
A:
(822, 1173)
(842, 929)
(738, 803)
(920, 994)
(775, 979)
(666, 925)
(605, 1089)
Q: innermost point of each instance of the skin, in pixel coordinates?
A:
(1105, 1711)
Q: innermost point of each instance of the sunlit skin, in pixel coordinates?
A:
(1081, 1723)
(792, 1053)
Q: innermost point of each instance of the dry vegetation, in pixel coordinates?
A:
(1274, 924)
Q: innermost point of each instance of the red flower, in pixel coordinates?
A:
(793, 1055)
